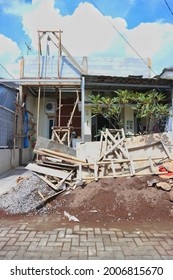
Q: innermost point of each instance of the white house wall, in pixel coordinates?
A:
(7, 160)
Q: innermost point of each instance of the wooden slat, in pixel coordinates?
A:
(47, 171)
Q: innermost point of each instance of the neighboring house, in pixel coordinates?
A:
(8, 93)
(55, 93)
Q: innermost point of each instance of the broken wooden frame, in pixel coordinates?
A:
(62, 134)
(120, 168)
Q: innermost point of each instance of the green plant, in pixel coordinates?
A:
(148, 105)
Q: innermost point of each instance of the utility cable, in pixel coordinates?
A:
(137, 53)
(165, 9)
(169, 8)
(6, 71)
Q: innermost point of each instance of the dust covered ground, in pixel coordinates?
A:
(103, 203)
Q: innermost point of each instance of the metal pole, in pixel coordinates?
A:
(82, 107)
(38, 110)
(59, 115)
(172, 112)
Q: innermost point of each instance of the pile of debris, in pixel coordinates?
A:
(64, 168)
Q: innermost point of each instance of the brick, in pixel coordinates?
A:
(2, 244)
(75, 242)
(61, 234)
(160, 250)
(5, 239)
(22, 237)
(83, 255)
(68, 255)
(11, 241)
(165, 245)
(97, 231)
(87, 229)
(69, 231)
(46, 255)
(78, 249)
(32, 246)
(13, 230)
(52, 237)
(3, 253)
(76, 228)
(100, 246)
(107, 241)
(169, 252)
(10, 255)
(44, 249)
(32, 239)
(32, 234)
(66, 246)
(92, 251)
(55, 244)
(119, 234)
(87, 243)
(22, 243)
(125, 239)
(22, 227)
(11, 248)
(138, 241)
(43, 242)
(113, 248)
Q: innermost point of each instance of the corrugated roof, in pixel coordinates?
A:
(109, 82)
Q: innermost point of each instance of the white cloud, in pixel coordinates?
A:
(9, 52)
(87, 32)
(15, 7)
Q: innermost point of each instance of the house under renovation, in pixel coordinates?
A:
(53, 99)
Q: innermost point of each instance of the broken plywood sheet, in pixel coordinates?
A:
(45, 143)
(89, 151)
(151, 145)
(148, 139)
(48, 171)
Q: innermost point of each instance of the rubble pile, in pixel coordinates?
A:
(113, 179)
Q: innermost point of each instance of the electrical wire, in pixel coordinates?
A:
(165, 9)
(6, 70)
(122, 36)
(169, 8)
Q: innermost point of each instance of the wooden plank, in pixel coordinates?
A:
(95, 171)
(144, 145)
(54, 165)
(75, 159)
(167, 150)
(61, 158)
(113, 169)
(47, 181)
(47, 199)
(64, 179)
(151, 165)
(47, 171)
(132, 167)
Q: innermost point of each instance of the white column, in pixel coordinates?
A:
(82, 107)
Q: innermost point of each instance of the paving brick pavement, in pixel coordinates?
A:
(20, 241)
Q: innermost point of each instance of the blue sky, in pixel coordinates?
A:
(89, 28)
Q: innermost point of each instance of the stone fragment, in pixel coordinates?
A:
(164, 186)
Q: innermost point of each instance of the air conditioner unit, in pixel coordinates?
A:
(50, 107)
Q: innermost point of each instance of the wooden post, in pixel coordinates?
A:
(22, 68)
(39, 52)
(59, 52)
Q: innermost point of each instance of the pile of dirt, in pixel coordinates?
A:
(108, 201)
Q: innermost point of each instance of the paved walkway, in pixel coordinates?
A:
(42, 237)
(21, 241)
